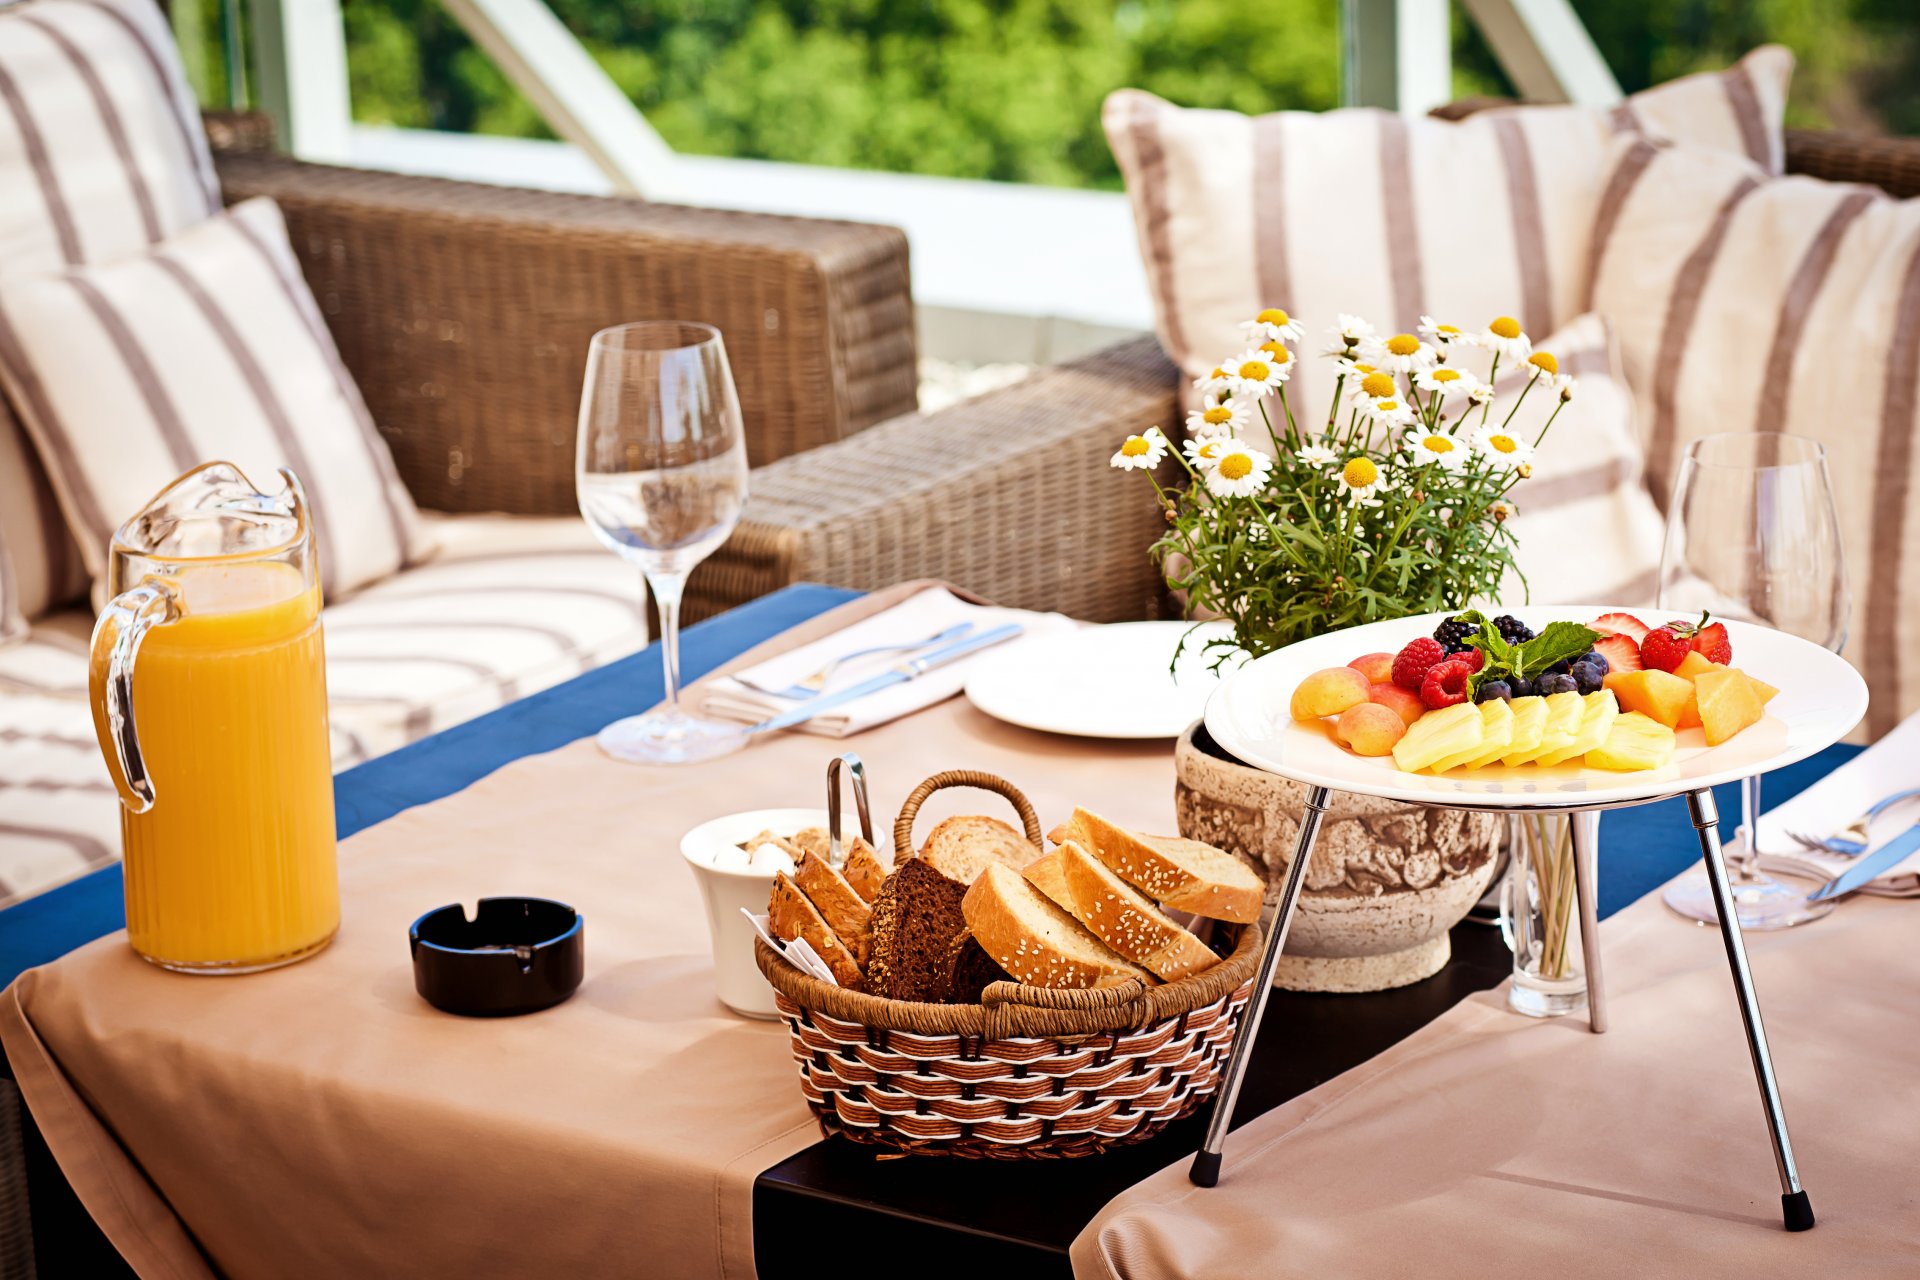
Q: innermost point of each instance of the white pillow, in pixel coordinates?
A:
(208, 347)
(1379, 215)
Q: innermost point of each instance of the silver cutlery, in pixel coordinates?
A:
(1886, 856)
(1851, 840)
(900, 673)
(816, 682)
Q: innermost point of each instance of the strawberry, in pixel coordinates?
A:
(1445, 684)
(1411, 666)
(1621, 653)
(1620, 624)
(1711, 643)
(1665, 648)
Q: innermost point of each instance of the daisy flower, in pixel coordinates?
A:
(1212, 386)
(1361, 479)
(1502, 511)
(1479, 392)
(1317, 455)
(1374, 386)
(1446, 381)
(1203, 453)
(1228, 418)
(1142, 452)
(1272, 325)
(1391, 409)
(1239, 471)
(1407, 354)
(1440, 334)
(1278, 351)
(1253, 373)
(1354, 370)
(1352, 337)
(1504, 338)
(1431, 446)
(1567, 385)
(1501, 447)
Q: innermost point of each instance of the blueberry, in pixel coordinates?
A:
(1560, 668)
(1586, 677)
(1494, 689)
(1522, 687)
(1598, 660)
(1556, 682)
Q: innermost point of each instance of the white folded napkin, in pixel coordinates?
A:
(1843, 795)
(920, 615)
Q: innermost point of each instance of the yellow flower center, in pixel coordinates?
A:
(1363, 369)
(1446, 375)
(1255, 371)
(1273, 315)
(1403, 344)
(1218, 372)
(1505, 327)
(1387, 406)
(1452, 330)
(1207, 450)
(1544, 361)
(1278, 350)
(1360, 473)
(1217, 415)
(1436, 444)
(1504, 444)
(1136, 447)
(1377, 385)
(1236, 466)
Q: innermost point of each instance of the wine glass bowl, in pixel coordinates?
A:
(661, 476)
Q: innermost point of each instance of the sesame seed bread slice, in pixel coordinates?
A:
(1120, 916)
(1185, 875)
(1034, 939)
(963, 847)
(864, 870)
(1049, 876)
(845, 911)
(791, 915)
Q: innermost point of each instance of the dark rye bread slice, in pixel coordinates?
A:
(973, 969)
(913, 925)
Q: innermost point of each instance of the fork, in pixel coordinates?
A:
(1851, 840)
(814, 683)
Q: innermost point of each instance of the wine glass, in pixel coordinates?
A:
(1753, 534)
(662, 475)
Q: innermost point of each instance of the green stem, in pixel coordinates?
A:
(1522, 398)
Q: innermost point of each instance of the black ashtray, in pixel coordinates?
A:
(517, 955)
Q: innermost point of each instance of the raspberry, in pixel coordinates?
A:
(1410, 667)
(1472, 657)
(1445, 684)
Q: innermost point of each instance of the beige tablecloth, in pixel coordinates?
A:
(321, 1120)
(1492, 1145)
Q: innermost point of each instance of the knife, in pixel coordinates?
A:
(912, 669)
(1887, 855)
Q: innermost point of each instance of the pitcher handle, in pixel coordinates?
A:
(123, 624)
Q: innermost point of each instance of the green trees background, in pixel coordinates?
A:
(1011, 89)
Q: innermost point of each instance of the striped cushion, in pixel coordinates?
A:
(509, 606)
(209, 346)
(1375, 214)
(39, 564)
(1783, 304)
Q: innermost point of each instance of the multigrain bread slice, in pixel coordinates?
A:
(915, 919)
(845, 911)
(1034, 939)
(864, 870)
(1183, 874)
(964, 847)
(791, 915)
(1120, 916)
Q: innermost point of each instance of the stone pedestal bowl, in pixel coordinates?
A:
(1386, 883)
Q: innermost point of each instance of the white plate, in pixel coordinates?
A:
(1101, 682)
(1821, 698)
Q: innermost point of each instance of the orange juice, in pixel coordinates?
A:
(232, 868)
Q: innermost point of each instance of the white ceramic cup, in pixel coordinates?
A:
(741, 985)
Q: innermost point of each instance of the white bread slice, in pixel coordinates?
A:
(1122, 918)
(961, 848)
(1049, 876)
(1185, 875)
(1031, 937)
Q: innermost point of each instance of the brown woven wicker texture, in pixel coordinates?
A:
(464, 313)
(979, 780)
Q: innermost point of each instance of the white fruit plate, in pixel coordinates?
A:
(1821, 698)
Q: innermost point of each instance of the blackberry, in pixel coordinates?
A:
(1512, 630)
(1452, 634)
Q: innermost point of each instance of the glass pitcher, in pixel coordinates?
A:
(209, 694)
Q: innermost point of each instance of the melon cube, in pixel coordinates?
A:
(1496, 732)
(1728, 704)
(1437, 734)
(1529, 723)
(1635, 742)
(1658, 695)
(1761, 689)
(1692, 667)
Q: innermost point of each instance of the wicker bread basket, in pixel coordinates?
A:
(1030, 1071)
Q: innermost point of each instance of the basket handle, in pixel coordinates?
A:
(903, 825)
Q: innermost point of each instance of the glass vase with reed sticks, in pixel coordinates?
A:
(1540, 918)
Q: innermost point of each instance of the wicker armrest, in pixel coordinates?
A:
(464, 312)
(1009, 495)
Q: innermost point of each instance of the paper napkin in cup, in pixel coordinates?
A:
(920, 615)
(1843, 795)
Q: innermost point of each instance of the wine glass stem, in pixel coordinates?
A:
(667, 590)
(1746, 864)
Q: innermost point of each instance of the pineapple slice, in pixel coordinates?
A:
(1437, 734)
(1529, 722)
(1635, 742)
(1596, 722)
(1496, 718)
(1565, 711)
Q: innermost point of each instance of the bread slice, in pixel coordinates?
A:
(1120, 916)
(1049, 876)
(1031, 937)
(964, 847)
(845, 911)
(973, 969)
(864, 870)
(915, 919)
(1185, 875)
(790, 915)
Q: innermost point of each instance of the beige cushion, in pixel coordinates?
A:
(1386, 217)
(101, 155)
(509, 606)
(1783, 304)
(208, 347)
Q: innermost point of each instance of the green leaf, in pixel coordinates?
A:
(1560, 642)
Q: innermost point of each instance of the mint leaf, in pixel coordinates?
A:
(1560, 642)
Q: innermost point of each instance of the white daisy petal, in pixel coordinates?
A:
(1440, 334)
(1255, 372)
(1228, 418)
(1142, 452)
(1446, 381)
(1238, 471)
(1405, 353)
(1390, 409)
(1361, 479)
(1272, 325)
(1505, 339)
(1501, 447)
(1431, 446)
(1316, 455)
